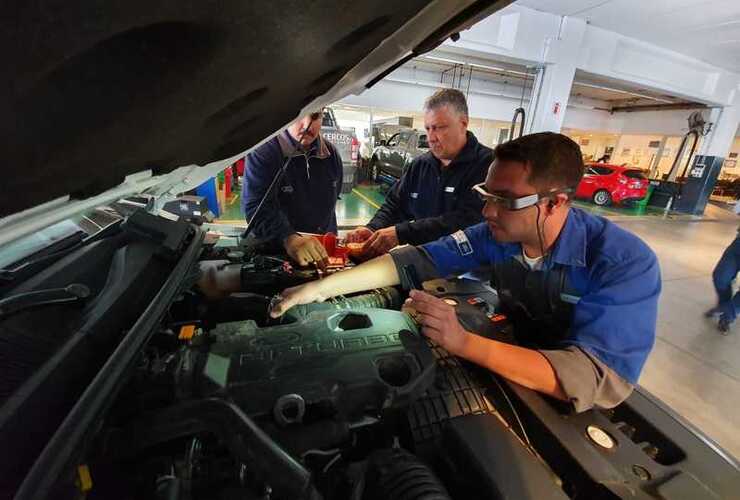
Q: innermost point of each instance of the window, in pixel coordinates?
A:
(635, 174)
(423, 143)
(80, 226)
(393, 141)
(596, 170)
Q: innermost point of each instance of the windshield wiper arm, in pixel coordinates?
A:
(20, 301)
(56, 250)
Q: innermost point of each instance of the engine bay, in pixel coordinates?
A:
(344, 399)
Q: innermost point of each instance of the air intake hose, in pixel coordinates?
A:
(395, 474)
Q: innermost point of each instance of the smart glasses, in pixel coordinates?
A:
(516, 203)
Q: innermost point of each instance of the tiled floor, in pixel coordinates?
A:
(692, 368)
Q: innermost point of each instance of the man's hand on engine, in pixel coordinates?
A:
(380, 242)
(306, 250)
(304, 294)
(439, 321)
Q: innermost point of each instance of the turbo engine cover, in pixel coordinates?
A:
(343, 364)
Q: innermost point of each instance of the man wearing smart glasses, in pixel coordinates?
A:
(581, 292)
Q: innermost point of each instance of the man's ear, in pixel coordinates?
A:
(559, 200)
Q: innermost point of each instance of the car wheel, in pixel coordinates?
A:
(374, 170)
(602, 198)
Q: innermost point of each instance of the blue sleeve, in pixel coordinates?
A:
(615, 319)
(466, 250)
(260, 168)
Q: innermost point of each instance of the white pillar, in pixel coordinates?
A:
(725, 120)
(552, 87)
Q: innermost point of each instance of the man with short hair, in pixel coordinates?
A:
(582, 293)
(305, 198)
(433, 196)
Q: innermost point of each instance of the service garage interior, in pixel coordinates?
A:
(648, 90)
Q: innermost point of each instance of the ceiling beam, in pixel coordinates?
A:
(658, 107)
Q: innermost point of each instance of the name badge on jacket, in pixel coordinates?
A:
(450, 189)
(414, 195)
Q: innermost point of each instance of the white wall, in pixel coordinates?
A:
(408, 97)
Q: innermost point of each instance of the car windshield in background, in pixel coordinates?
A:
(76, 228)
(594, 170)
(423, 143)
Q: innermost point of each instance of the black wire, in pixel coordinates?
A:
(539, 233)
(546, 260)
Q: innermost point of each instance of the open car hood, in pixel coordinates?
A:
(102, 101)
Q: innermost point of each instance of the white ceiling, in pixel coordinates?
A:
(708, 30)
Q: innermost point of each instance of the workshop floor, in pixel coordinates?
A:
(693, 368)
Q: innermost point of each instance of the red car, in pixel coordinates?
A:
(604, 184)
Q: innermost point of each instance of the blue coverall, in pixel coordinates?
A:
(723, 275)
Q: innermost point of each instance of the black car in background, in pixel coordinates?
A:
(393, 156)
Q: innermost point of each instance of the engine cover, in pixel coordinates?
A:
(344, 364)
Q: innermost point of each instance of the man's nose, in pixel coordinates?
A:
(489, 210)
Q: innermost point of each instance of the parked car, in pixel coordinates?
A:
(346, 143)
(393, 156)
(605, 184)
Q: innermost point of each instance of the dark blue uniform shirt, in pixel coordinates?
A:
(305, 198)
(429, 202)
(614, 273)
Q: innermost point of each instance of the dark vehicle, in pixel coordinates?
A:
(121, 379)
(393, 156)
(346, 143)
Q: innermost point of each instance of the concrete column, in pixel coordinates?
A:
(552, 87)
(655, 164)
(725, 120)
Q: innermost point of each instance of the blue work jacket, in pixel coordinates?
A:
(305, 198)
(615, 277)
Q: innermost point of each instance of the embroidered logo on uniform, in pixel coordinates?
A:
(450, 189)
(287, 189)
(414, 195)
(462, 242)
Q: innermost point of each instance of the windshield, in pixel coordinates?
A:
(423, 143)
(83, 225)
